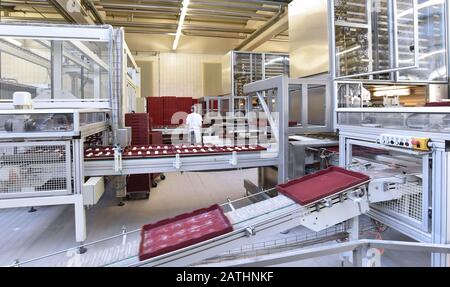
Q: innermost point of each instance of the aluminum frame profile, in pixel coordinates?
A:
(281, 85)
(438, 190)
(165, 165)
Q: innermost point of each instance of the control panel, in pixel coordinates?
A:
(408, 142)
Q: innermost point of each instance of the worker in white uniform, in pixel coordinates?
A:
(194, 122)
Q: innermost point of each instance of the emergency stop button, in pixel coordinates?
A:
(420, 143)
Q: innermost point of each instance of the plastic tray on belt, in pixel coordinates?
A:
(181, 231)
(146, 151)
(319, 185)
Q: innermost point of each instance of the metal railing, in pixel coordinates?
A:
(76, 250)
(338, 232)
(366, 252)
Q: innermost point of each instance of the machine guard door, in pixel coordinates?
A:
(310, 106)
(374, 38)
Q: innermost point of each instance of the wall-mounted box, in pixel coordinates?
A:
(93, 190)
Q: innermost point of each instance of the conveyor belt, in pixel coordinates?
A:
(188, 159)
(258, 220)
(161, 151)
(268, 222)
(256, 227)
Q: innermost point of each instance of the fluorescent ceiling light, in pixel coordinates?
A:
(424, 56)
(349, 50)
(279, 59)
(13, 41)
(420, 6)
(180, 24)
(391, 93)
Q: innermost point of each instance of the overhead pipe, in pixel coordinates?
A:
(152, 1)
(265, 2)
(219, 29)
(24, 19)
(139, 11)
(186, 33)
(214, 35)
(228, 12)
(227, 4)
(175, 9)
(147, 31)
(34, 2)
(144, 25)
(261, 29)
(186, 27)
(141, 6)
(227, 20)
(174, 15)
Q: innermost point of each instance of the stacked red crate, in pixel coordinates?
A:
(140, 126)
(150, 124)
(139, 183)
(156, 138)
(155, 108)
(170, 108)
(184, 105)
(215, 104)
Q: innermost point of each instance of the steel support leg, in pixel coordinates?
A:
(80, 219)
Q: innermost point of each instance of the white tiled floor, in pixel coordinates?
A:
(26, 235)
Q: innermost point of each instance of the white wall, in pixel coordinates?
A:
(178, 74)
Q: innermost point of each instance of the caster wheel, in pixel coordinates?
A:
(82, 250)
(163, 177)
(154, 184)
(121, 203)
(147, 196)
(32, 209)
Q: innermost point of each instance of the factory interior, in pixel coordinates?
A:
(224, 133)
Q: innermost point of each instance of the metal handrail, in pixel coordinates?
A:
(358, 245)
(17, 263)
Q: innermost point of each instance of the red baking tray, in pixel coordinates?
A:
(437, 104)
(316, 186)
(182, 231)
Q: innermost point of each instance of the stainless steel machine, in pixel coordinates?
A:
(61, 85)
(387, 67)
(390, 67)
